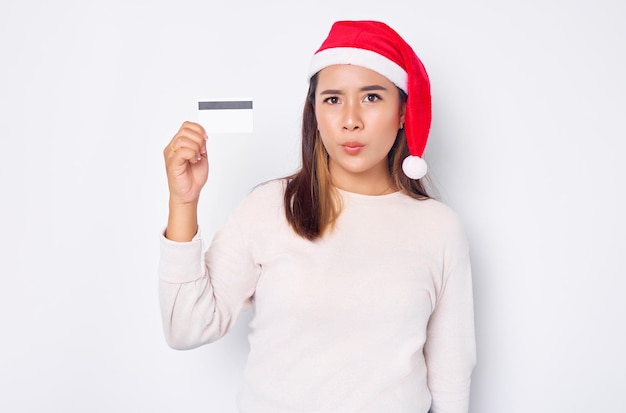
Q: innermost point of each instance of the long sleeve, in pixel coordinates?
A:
(201, 295)
(450, 349)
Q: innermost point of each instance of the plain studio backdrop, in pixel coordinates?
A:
(527, 145)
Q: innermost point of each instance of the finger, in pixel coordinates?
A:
(194, 131)
(189, 131)
(196, 127)
(187, 153)
(188, 141)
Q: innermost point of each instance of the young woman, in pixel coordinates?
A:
(360, 282)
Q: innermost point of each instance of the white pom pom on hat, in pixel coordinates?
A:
(414, 167)
(376, 46)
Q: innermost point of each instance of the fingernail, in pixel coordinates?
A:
(206, 138)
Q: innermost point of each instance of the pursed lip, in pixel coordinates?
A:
(352, 147)
(352, 144)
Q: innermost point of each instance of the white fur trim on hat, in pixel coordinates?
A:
(360, 57)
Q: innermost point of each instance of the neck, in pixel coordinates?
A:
(368, 183)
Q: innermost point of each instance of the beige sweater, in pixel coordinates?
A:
(377, 316)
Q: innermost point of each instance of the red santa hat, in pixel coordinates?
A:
(377, 47)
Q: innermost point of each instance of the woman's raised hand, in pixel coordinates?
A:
(187, 170)
(186, 164)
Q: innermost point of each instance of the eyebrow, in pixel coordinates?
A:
(363, 89)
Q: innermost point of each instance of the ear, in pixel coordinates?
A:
(402, 114)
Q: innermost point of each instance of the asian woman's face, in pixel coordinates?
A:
(358, 113)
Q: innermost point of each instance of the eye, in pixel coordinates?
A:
(372, 97)
(332, 100)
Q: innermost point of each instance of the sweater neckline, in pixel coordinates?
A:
(368, 198)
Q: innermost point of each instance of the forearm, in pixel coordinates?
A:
(186, 295)
(189, 314)
(182, 222)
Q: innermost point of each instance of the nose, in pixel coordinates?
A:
(352, 116)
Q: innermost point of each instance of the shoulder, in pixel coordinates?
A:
(263, 202)
(430, 210)
(435, 220)
(269, 192)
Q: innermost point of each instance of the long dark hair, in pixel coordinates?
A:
(312, 203)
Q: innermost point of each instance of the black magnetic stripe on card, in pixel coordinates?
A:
(229, 104)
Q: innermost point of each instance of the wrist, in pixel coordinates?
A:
(183, 205)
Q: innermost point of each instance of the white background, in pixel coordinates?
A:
(527, 146)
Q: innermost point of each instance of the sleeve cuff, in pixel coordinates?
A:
(180, 262)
